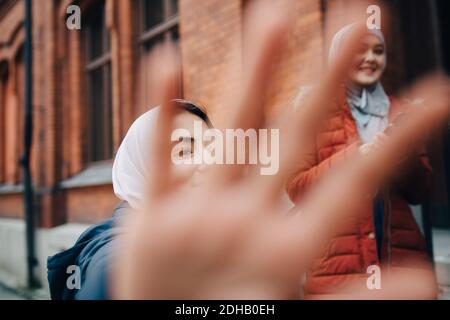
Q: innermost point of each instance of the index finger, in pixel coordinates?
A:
(299, 131)
(165, 84)
(265, 27)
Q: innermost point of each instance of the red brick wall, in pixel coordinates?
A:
(11, 39)
(85, 205)
(208, 28)
(11, 206)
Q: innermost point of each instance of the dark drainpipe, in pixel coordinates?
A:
(28, 129)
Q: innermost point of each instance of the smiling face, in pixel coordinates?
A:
(369, 63)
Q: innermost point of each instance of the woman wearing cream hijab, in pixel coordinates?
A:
(94, 248)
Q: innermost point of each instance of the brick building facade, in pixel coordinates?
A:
(90, 84)
(72, 183)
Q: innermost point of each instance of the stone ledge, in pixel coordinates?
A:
(10, 188)
(95, 175)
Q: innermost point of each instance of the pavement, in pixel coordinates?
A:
(8, 294)
(441, 248)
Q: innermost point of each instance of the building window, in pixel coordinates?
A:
(158, 22)
(11, 118)
(97, 67)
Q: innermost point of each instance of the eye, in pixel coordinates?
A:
(378, 51)
(184, 153)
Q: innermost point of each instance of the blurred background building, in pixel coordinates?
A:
(90, 84)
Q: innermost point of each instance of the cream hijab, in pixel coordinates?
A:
(131, 167)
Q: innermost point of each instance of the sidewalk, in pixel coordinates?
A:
(8, 294)
(441, 248)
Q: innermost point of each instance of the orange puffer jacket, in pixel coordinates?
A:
(348, 255)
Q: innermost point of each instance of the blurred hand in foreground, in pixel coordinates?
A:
(229, 239)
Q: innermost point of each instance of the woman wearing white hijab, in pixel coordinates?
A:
(388, 235)
(130, 168)
(131, 165)
(94, 248)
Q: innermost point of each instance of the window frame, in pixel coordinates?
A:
(90, 65)
(168, 29)
(170, 21)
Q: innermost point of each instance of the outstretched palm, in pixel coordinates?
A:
(229, 238)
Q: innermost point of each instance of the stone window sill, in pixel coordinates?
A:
(97, 174)
(10, 189)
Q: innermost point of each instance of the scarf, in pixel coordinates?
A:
(369, 106)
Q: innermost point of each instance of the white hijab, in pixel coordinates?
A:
(130, 170)
(369, 105)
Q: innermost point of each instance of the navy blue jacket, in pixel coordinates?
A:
(91, 255)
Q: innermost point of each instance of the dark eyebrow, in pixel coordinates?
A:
(194, 109)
